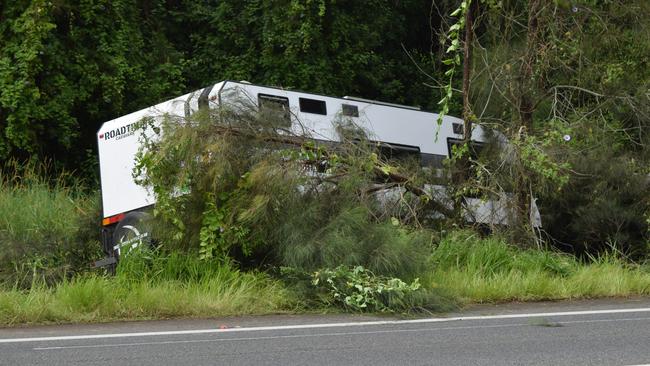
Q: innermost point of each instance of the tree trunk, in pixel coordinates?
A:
(462, 166)
(526, 82)
(525, 110)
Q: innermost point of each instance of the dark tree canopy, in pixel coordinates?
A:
(67, 66)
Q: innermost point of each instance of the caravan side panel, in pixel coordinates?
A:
(118, 142)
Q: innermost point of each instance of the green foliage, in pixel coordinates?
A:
(319, 238)
(492, 256)
(249, 195)
(216, 237)
(453, 54)
(217, 174)
(536, 154)
(358, 289)
(352, 48)
(603, 204)
(148, 286)
(253, 194)
(66, 67)
(48, 231)
(24, 37)
(491, 270)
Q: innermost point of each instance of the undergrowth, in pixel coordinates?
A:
(48, 228)
(148, 287)
(462, 268)
(489, 270)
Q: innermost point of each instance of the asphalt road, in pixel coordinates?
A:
(602, 333)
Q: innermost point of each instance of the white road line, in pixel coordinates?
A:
(272, 337)
(325, 325)
(338, 334)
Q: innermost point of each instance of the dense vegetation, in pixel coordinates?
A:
(68, 66)
(568, 82)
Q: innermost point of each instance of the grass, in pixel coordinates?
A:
(220, 291)
(48, 235)
(489, 270)
(157, 286)
(47, 228)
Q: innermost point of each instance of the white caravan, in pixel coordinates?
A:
(401, 127)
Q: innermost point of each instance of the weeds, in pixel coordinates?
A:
(168, 286)
(490, 270)
(48, 230)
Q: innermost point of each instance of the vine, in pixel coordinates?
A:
(454, 60)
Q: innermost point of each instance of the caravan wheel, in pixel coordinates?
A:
(132, 232)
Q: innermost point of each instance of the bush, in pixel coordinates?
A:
(350, 237)
(606, 202)
(255, 193)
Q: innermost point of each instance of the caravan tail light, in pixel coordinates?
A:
(113, 219)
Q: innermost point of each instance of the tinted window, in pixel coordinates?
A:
(458, 128)
(399, 152)
(313, 106)
(350, 110)
(276, 106)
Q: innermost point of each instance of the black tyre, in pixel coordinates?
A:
(132, 232)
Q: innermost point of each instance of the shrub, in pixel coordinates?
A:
(605, 203)
(255, 193)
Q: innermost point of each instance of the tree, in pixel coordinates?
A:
(66, 67)
(542, 79)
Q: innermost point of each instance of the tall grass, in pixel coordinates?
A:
(490, 270)
(148, 287)
(47, 227)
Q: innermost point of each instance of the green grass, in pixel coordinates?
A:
(92, 298)
(48, 229)
(48, 236)
(489, 270)
(466, 267)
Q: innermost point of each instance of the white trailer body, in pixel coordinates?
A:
(118, 140)
(311, 114)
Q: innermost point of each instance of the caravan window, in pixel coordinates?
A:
(313, 106)
(277, 107)
(399, 152)
(350, 110)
